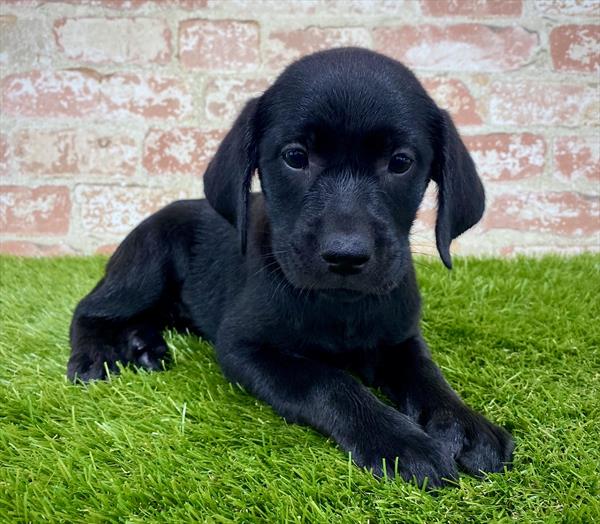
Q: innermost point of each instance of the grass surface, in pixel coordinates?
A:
(519, 340)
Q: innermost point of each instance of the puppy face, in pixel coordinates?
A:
(345, 143)
(344, 159)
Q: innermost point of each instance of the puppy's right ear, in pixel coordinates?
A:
(229, 174)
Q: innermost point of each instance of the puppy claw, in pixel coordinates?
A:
(149, 362)
(137, 344)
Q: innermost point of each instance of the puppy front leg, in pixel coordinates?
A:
(408, 376)
(310, 392)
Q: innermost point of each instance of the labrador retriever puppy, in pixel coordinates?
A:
(308, 290)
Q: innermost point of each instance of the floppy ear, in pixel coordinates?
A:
(229, 174)
(461, 198)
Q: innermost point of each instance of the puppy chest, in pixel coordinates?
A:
(332, 335)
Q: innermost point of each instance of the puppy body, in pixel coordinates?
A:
(311, 285)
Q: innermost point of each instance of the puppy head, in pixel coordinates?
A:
(345, 143)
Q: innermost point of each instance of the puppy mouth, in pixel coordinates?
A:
(344, 288)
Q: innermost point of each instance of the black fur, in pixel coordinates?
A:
(311, 284)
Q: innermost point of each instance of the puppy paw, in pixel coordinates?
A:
(95, 355)
(477, 445)
(92, 362)
(147, 349)
(414, 456)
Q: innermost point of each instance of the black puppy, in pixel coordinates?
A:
(311, 283)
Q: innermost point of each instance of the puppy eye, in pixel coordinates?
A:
(400, 163)
(296, 158)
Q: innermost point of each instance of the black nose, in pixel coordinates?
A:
(346, 254)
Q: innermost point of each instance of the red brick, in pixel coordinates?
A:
(286, 46)
(4, 152)
(539, 103)
(111, 4)
(560, 213)
(474, 8)
(37, 210)
(182, 150)
(116, 210)
(453, 95)
(24, 3)
(575, 48)
(140, 40)
(126, 5)
(150, 97)
(245, 8)
(219, 44)
(186, 4)
(61, 93)
(106, 249)
(337, 8)
(568, 7)
(85, 92)
(427, 212)
(115, 4)
(461, 47)
(366, 8)
(161, 4)
(71, 152)
(577, 157)
(225, 97)
(24, 43)
(32, 249)
(503, 156)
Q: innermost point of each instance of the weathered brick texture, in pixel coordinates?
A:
(225, 96)
(577, 157)
(181, 150)
(83, 92)
(532, 102)
(285, 45)
(219, 45)
(504, 156)
(3, 155)
(113, 210)
(454, 96)
(577, 8)
(460, 47)
(575, 47)
(112, 108)
(560, 213)
(74, 152)
(41, 210)
(114, 40)
(473, 8)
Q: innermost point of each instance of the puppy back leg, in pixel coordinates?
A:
(122, 317)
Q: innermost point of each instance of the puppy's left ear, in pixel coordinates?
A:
(461, 198)
(229, 174)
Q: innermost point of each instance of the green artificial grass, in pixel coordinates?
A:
(519, 340)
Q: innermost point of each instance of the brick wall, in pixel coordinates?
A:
(112, 108)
